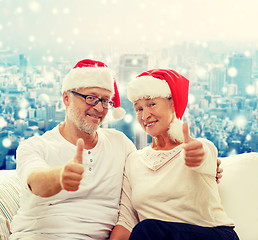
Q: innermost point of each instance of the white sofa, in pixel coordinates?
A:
(238, 189)
(239, 193)
(9, 200)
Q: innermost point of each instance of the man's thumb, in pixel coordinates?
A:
(80, 146)
(187, 137)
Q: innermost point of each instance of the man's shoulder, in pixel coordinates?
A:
(115, 136)
(111, 132)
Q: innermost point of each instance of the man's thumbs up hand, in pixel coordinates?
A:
(80, 147)
(72, 172)
(194, 151)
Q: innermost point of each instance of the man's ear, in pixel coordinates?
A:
(66, 98)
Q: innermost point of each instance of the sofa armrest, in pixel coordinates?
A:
(9, 200)
(239, 193)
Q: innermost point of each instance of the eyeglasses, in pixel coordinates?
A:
(93, 100)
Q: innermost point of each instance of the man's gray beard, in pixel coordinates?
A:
(175, 131)
(80, 122)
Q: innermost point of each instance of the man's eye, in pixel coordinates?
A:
(105, 100)
(91, 98)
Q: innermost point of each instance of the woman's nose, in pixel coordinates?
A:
(145, 115)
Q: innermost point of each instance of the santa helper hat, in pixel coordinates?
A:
(163, 83)
(90, 73)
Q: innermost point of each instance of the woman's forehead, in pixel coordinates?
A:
(147, 99)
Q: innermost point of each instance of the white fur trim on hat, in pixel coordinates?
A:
(147, 86)
(89, 77)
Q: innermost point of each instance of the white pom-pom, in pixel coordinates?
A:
(176, 130)
(118, 113)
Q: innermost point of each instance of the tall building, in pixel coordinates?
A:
(50, 111)
(131, 65)
(23, 63)
(41, 113)
(3, 149)
(217, 79)
(239, 72)
(232, 90)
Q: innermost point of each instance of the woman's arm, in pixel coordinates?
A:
(128, 216)
(120, 233)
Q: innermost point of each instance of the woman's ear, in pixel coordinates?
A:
(171, 102)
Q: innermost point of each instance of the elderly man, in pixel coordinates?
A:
(72, 175)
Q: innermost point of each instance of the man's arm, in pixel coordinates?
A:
(45, 183)
(219, 171)
(48, 182)
(120, 233)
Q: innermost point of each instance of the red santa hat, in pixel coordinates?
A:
(161, 83)
(90, 73)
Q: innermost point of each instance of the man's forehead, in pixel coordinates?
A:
(96, 91)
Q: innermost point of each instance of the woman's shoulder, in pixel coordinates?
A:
(138, 153)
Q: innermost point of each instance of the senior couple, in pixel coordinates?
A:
(72, 175)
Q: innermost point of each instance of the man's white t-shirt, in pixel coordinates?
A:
(89, 213)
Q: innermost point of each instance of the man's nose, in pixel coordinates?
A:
(99, 107)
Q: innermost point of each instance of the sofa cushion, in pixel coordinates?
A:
(4, 228)
(9, 200)
(239, 193)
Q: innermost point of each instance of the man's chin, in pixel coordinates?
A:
(89, 128)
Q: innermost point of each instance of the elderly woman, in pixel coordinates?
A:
(169, 191)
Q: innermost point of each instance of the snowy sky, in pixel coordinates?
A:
(65, 27)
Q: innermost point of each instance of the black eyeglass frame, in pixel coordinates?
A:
(110, 104)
